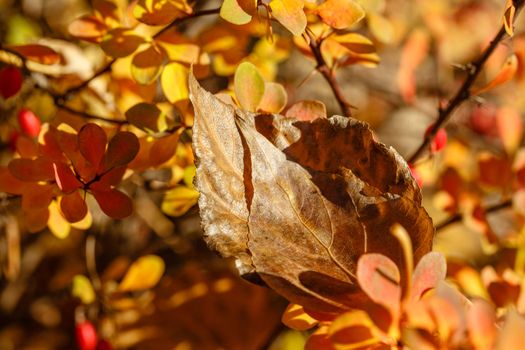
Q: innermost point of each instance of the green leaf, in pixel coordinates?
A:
(83, 289)
(249, 86)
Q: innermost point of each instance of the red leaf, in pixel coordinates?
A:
(10, 81)
(39, 169)
(110, 179)
(9, 183)
(38, 53)
(114, 203)
(92, 142)
(122, 148)
(65, 178)
(73, 207)
(37, 196)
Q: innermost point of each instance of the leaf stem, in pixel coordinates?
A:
(328, 74)
(459, 217)
(463, 93)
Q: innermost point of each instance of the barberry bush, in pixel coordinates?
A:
(357, 164)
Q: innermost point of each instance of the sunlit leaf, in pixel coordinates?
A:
(481, 323)
(114, 203)
(340, 14)
(89, 28)
(381, 28)
(38, 53)
(147, 117)
(146, 65)
(355, 42)
(430, 270)
(508, 18)
(353, 329)
(237, 11)
(120, 42)
(174, 81)
(160, 12)
(57, 224)
(274, 99)
(144, 273)
(290, 14)
(511, 336)
(179, 200)
(83, 289)
(295, 318)
(307, 110)
(249, 86)
(379, 278)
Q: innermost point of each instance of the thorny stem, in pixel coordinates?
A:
(328, 74)
(458, 217)
(463, 93)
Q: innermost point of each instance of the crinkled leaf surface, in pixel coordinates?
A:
(297, 202)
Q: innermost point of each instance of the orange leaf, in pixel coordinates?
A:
(114, 203)
(307, 110)
(92, 141)
(38, 53)
(88, 28)
(164, 148)
(9, 183)
(120, 42)
(73, 207)
(36, 219)
(506, 73)
(481, 323)
(508, 18)
(510, 128)
(296, 318)
(147, 116)
(122, 148)
(290, 14)
(274, 98)
(39, 169)
(26, 147)
(65, 178)
(146, 65)
(379, 278)
(160, 12)
(36, 196)
(340, 14)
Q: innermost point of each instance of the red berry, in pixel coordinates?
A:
(416, 175)
(104, 345)
(439, 141)
(29, 122)
(10, 81)
(86, 335)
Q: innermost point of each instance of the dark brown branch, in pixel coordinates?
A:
(458, 217)
(328, 74)
(463, 93)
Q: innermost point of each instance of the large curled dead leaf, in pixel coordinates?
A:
(297, 202)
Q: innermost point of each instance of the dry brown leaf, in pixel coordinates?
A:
(298, 202)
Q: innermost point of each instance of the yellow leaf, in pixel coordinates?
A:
(510, 128)
(146, 65)
(340, 14)
(290, 14)
(179, 200)
(508, 18)
(234, 12)
(144, 273)
(174, 80)
(249, 86)
(83, 289)
(57, 224)
(295, 318)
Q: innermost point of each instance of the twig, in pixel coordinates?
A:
(328, 74)
(463, 93)
(459, 217)
(91, 264)
(62, 105)
(65, 95)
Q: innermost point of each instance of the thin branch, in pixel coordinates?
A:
(463, 93)
(459, 217)
(329, 76)
(61, 104)
(109, 64)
